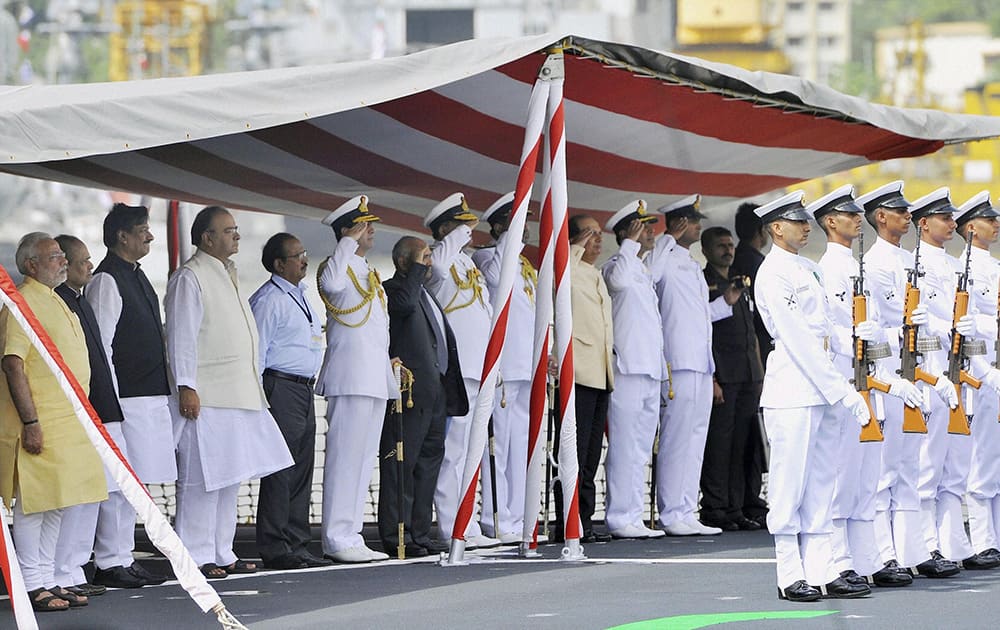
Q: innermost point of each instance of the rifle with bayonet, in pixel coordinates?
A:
(960, 418)
(863, 362)
(913, 417)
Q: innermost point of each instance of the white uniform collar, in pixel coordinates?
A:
(838, 250)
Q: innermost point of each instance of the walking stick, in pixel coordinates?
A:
(404, 381)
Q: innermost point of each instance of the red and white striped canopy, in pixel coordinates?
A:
(410, 130)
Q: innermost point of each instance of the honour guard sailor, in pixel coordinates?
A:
(977, 220)
(638, 371)
(944, 458)
(897, 505)
(356, 378)
(854, 548)
(460, 288)
(805, 398)
(510, 409)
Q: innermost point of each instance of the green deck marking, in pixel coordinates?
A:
(690, 622)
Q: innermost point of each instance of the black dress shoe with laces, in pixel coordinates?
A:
(413, 550)
(938, 567)
(851, 577)
(746, 524)
(148, 578)
(312, 561)
(118, 577)
(434, 546)
(842, 589)
(892, 575)
(591, 537)
(724, 524)
(980, 562)
(287, 562)
(799, 592)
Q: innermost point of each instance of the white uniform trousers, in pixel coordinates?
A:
(683, 431)
(983, 498)
(449, 485)
(205, 521)
(853, 509)
(510, 437)
(148, 432)
(76, 541)
(355, 425)
(35, 537)
(632, 420)
(803, 468)
(897, 504)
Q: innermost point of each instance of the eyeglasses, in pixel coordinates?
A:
(299, 256)
(54, 256)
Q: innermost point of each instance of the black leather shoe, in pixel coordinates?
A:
(140, 572)
(981, 562)
(938, 567)
(799, 592)
(287, 562)
(118, 577)
(746, 524)
(434, 546)
(892, 575)
(842, 589)
(723, 524)
(591, 537)
(851, 577)
(312, 561)
(413, 550)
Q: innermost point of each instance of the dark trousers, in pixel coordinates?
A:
(724, 472)
(423, 451)
(591, 419)
(283, 504)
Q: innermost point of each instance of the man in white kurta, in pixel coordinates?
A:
(222, 427)
(356, 379)
(802, 396)
(855, 552)
(510, 408)
(638, 371)
(944, 457)
(686, 318)
(897, 504)
(461, 290)
(977, 219)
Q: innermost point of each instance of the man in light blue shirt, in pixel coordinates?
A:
(291, 349)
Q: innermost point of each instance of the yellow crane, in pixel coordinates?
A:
(158, 38)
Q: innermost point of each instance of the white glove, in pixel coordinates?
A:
(992, 380)
(868, 331)
(946, 390)
(919, 316)
(909, 393)
(966, 326)
(858, 407)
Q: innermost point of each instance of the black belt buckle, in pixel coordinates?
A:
(305, 380)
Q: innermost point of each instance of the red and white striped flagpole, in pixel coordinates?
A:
(569, 467)
(24, 614)
(498, 327)
(157, 528)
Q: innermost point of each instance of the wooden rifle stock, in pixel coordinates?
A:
(958, 420)
(863, 381)
(913, 417)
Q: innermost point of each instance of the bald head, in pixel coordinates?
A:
(409, 250)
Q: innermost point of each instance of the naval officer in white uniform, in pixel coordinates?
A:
(356, 379)
(461, 290)
(638, 371)
(805, 398)
(510, 409)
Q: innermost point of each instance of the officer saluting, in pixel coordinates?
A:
(459, 287)
(801, 395)
(510, 411)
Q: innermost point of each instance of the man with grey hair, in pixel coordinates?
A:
(47, 464)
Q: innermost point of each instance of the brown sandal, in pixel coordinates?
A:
(44, 603)
(213, 571)
(75, 601)
(241, 566)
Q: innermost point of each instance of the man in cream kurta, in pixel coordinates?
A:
(224, 432)
(356, 379)
(459, 287)
(510, 410)
(46, 461)
(687, 318)
(639, 369)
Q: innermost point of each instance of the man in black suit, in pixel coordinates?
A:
(420, 337)
(82, 522)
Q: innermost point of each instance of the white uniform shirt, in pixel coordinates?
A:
(792, 303)
(685, 311)
(468, 310)
(839, 270)
(516, 362)
(356, 362)
(937, 292)
(637, 341)
(984, 277)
